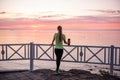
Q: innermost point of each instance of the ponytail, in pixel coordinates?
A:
(60, 33)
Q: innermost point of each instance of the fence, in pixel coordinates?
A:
(108, 55)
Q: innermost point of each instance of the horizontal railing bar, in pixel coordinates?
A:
(78, 46)
(64, 45)
(62, 61)
(13, 44)
(15, 59)
(75, 61)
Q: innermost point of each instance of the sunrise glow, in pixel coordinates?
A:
(72, 14)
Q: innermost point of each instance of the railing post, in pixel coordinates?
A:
(111, 59)
(2, 52)
(53, 52)
(31, 55)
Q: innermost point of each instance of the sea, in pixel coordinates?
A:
(77, 37)
(82, 37)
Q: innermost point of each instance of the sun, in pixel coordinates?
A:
(38, 26)
(34, 26)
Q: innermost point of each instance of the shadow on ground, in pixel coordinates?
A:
(47, 74)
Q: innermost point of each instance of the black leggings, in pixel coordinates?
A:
(59, 53)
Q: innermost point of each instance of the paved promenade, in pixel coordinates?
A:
(47, 74)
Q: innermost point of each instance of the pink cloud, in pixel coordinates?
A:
(52, 16)
(77, 22)
(108, 11)
(2, 12)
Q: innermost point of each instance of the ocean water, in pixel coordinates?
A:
(92, 38)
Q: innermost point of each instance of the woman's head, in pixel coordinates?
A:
(59, 28)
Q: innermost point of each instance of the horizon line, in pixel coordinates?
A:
(64, 29)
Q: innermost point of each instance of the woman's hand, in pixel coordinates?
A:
(52, 44)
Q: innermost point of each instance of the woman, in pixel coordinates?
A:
(59, 38)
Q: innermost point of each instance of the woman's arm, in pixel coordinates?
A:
(53, 40)
(65, 41)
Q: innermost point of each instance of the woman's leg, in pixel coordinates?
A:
(59, 53)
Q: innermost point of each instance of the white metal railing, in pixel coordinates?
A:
(108, 55)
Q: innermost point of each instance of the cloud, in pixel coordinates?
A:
(102, 16)
(2, 12)
(50, 16)
(98, 19)
(15, 21)
(54, 17)
(117, 12)
(25, 23)
(76, 19)
(92, 19)
(9, 28)
(110, 11)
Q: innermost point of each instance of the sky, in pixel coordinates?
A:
(71, 14)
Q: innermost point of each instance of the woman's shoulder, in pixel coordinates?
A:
(63, 34)
(56, 34)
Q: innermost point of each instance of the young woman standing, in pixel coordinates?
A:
(59, 38)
